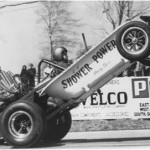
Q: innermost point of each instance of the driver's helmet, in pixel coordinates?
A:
(58, 54)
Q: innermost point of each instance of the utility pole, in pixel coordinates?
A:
(85, 44)
(51, 47)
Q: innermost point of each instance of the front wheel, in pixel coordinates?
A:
(133, 40)
(22, 124)
(58, 127)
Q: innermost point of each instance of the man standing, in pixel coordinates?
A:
(31, 75)
(139, 70)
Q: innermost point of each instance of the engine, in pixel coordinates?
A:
(10, 88)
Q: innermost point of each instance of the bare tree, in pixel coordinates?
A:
(58, 23)
(118, 12)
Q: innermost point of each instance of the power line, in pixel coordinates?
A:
(9, 5)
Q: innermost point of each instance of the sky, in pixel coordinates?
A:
(20, 35)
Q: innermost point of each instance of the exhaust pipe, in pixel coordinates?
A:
(5, 78)
(8, 83)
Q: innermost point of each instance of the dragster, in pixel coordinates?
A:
(27, 119)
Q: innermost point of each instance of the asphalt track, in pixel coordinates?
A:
(101, 139)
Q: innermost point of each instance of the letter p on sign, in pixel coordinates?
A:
(140, 88)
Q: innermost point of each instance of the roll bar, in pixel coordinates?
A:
(47, 62)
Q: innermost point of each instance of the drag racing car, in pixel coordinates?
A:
(27, 119)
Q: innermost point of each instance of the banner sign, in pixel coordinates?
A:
(124, 97)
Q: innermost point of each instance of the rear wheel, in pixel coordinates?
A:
(133, 40)
(58, 127)
(22, 124)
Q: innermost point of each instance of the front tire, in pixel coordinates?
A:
(133, 40)
(22, 124)
(58, 127)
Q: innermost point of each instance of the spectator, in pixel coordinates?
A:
(125, 73)
(146, 71)
(31, 75)
(131, 70)
(48, 71)
(139, 70)
(24, 76)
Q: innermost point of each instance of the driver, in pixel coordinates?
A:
(60, 57)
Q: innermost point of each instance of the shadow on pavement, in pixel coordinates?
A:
(44, 144)
(70, 141)
(105, 140)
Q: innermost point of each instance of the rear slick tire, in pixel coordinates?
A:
(58, 127)
(23, 124)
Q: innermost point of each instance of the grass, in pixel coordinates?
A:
(106, 125)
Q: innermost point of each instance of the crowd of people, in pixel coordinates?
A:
(136, 69)
(27, 76)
